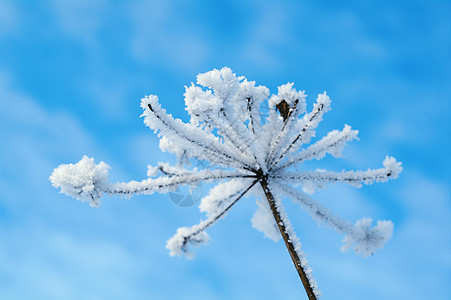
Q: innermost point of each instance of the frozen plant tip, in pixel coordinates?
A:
(243, 152)
(84, 181)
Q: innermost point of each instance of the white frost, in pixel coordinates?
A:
(366, 239)
(179, 244)
(221, 196)
(84, 180)
(288, 94)
(263, 221)
(152, 171)
(393, 166)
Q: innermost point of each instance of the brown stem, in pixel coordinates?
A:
(286, 239)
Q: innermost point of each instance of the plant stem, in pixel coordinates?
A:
(286, 238)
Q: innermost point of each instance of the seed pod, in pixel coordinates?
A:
(284, 109)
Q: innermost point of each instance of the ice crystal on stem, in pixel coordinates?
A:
(243, 151)
(84, 181)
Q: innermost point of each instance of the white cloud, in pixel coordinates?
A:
(267, 34)
(155, 40)
(80, 19)
(42, 262)
(8, 17)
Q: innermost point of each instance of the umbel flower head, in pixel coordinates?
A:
(243, 150)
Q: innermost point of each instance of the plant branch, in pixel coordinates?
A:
(212, 147)
(288, 241)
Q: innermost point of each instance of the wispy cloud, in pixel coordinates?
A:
(157, 42)
(8, 18)
(81, 20)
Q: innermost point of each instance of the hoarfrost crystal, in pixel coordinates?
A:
(243, 151)
(84, 181)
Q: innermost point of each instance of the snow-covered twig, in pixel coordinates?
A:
(306, 127)
(196, 235)
(166, 184)
(367, 239)
(87, 181)
(192, 139)
(391, 170)
(291, 242)
(333, 143)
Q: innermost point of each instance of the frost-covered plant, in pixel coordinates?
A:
(243, 151)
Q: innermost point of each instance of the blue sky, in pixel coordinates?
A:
(72, 74)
